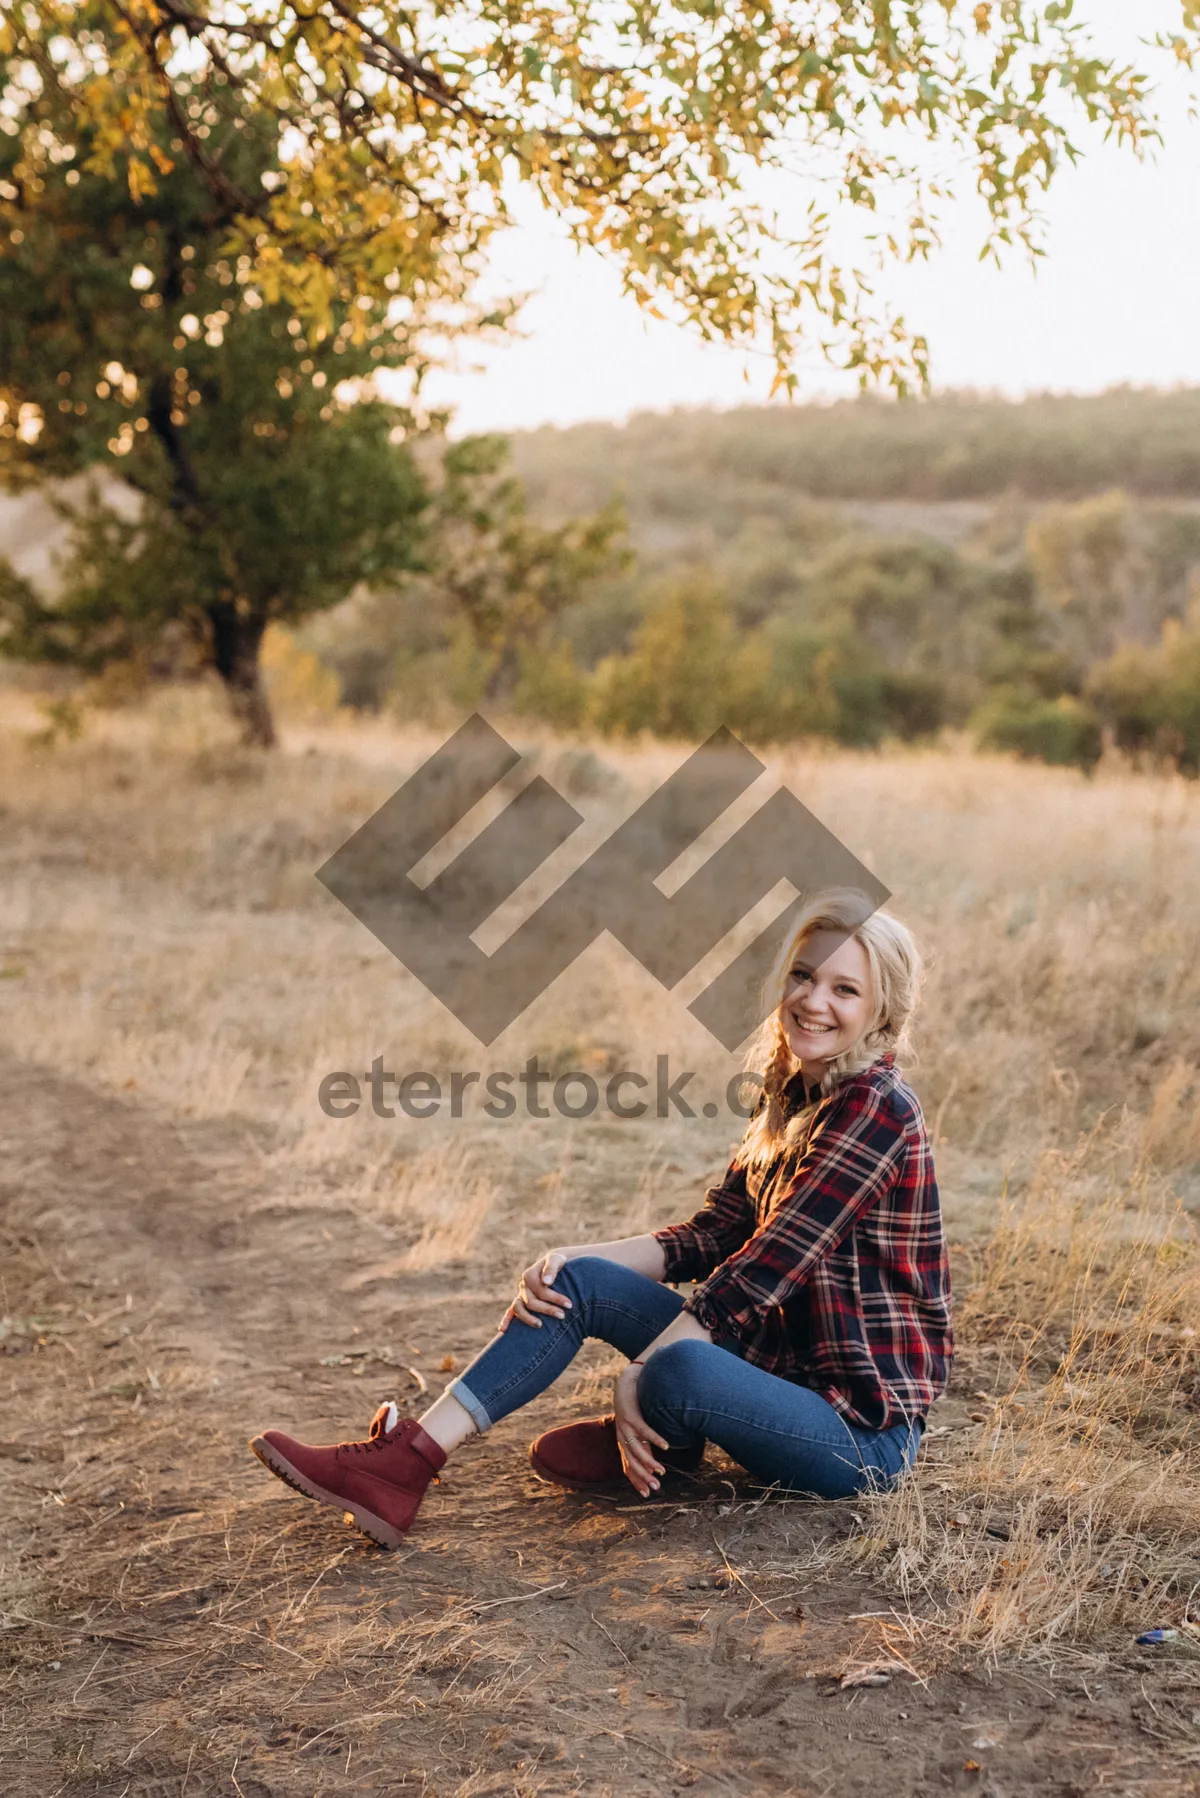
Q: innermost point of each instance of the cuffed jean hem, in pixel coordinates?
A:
(470, 1404)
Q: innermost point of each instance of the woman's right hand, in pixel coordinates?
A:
(536, 1293)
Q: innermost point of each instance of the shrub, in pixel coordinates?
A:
(551, 686)
(679, 678)
(1151, 697)
(298, 682)
(874, 704)
(1064, 731)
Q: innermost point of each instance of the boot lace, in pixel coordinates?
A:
(375, 1440)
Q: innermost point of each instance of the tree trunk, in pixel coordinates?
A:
(502, 681)
(160, 409)
(237, 634)
(236, 640)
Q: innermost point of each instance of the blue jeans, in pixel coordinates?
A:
(689, 1391)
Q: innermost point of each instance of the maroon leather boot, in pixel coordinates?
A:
(587, 1456)
(379, 1483)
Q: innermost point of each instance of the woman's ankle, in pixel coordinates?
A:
(448, 1422)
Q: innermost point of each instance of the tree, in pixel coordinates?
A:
(1150, 695)
(268, 481)
(657, 131)
(1109, 571)
(473, 625)
(507, 577)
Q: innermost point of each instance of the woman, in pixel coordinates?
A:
(820, 1330)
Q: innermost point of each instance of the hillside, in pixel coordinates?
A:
(874, 568)
(952, 447)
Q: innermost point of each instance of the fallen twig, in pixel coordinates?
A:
(734, 1574)
(517, 1597)
(88, 1675)
(600, 1626)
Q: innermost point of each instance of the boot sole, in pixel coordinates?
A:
(385, 1534)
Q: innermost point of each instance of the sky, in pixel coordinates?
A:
(1115, 299)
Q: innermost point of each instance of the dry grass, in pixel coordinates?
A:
(1071, 1509)
(448, 1234)
(161, 934)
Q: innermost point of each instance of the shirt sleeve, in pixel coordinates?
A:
(723, 1223)
(844, 1171)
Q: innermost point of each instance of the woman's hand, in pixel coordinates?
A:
(536, 1292)
(635, 1437)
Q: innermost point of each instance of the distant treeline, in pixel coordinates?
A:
(864, 572)
(955, 446)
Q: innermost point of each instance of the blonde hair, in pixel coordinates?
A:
(896, 967)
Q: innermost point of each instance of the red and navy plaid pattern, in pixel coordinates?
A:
(829, 1267)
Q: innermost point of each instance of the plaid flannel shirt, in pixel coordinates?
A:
(829, 1267)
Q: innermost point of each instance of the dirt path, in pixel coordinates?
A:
(175, 1623)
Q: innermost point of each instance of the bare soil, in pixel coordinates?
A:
(176, 1623)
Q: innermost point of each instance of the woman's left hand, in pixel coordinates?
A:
(635, 1437)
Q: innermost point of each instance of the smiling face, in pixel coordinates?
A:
(828, 1003)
